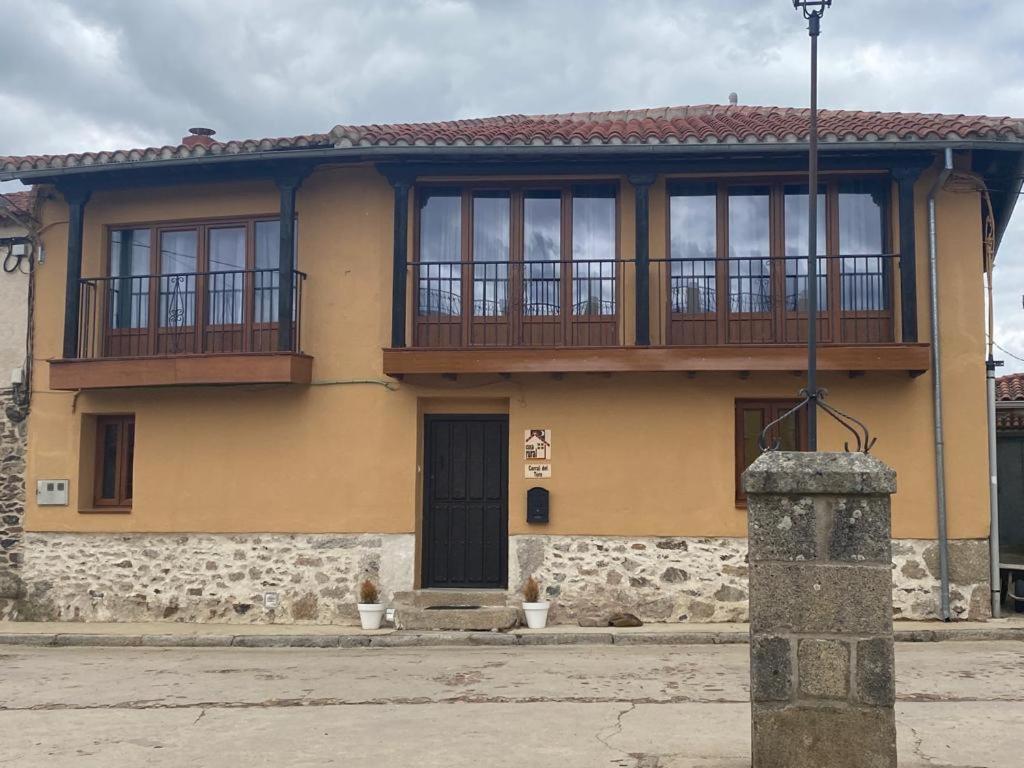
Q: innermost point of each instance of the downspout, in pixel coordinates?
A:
(990, 381)
(940, 459)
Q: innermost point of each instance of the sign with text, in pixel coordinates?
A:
(537, 445)
(537, 471)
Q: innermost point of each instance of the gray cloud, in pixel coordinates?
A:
(103, 74)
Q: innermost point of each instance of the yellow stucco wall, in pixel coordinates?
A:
(634, 454)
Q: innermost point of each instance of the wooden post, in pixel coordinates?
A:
(76, 198)
(288, 185)
(400, 258)
(641, 189)
(905, 179)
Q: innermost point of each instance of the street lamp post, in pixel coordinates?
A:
(812, 10)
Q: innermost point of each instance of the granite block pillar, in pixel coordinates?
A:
(821, 643)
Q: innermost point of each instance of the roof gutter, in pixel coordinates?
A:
(576, 151)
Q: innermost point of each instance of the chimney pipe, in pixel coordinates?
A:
(199, 137)
(734, 99)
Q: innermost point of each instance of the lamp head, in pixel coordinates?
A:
(812, 7)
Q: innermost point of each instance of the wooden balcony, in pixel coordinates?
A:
(185, 329)
(696, 314)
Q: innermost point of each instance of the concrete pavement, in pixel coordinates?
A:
(650, 706)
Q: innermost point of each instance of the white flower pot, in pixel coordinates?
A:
(536, 614)
(370, 615)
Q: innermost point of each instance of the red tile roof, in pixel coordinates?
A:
(706, 124)
(19, 202)
(1010, 387)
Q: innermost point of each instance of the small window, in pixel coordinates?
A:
(751, 418)
(115, 458)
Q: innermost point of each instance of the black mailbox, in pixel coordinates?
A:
(537, 505)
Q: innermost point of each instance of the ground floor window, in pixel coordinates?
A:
(115, 459)
(752, 416)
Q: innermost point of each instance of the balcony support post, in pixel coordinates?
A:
(76, 198)
(641, 191)
(905, 178)
(402, 184)
(287, 184)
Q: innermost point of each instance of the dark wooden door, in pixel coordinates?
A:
(1010, 459)
(465, 504)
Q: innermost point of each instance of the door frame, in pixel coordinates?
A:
(427, 488)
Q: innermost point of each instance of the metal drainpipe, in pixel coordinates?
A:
(993, 491)
(940, 459)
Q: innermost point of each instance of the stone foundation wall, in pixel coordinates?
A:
(705, 579)
(207, 577)
(223, 577)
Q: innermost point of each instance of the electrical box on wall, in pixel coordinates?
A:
(52, 493)
(537, 505)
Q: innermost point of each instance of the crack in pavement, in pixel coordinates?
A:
(615, 730)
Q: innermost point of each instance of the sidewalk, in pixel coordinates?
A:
(176, 635)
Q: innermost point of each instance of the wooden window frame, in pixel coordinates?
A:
(833, 321)
(125, 446)
(461, 330)
(772, 408)
(147, 340)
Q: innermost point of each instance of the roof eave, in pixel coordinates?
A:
(360, 153)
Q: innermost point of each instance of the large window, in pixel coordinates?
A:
(738, 261)
(752, 416)
(115, 461)
(525, 264)
(166, 279)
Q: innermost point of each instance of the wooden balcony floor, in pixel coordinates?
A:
(909, 358)
(181, 370)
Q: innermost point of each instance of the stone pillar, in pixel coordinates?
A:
(821, 645)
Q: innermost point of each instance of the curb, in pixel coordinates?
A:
(456, 639)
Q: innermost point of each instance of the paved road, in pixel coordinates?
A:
(960, 704)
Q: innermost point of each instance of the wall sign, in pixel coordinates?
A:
(537, 445)
(537, 470)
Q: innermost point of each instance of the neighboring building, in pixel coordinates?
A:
(16, 260)
(1010, 451)
(249, 420)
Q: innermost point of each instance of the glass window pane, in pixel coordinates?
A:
(491, 216)
(753, 423)
(593, 251)
(440, 275)
(108, 459)
(749, 250)
(796, 245)
(863, 282)
(693, 221)
(267, 279)
(129, 458)
(129, 259)
(178, 265)
(226, 254)
(542, 250)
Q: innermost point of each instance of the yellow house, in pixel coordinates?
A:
(267, 369)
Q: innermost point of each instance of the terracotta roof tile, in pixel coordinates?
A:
(705, 124)
(19, 202)
(1011, 387)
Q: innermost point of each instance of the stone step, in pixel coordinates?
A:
(427, 598)
(465, 619)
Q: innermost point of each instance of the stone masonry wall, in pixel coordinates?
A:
(13, 445)
(207, 577)
(705, 579)
(223, 577)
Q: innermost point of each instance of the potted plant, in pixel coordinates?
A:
(536, 610)
(371, 612)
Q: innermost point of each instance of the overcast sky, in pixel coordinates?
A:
(105, 74)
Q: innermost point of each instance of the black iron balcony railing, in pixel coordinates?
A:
(691, 302)
(696, 301)
(231, 311)
(511, 304)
